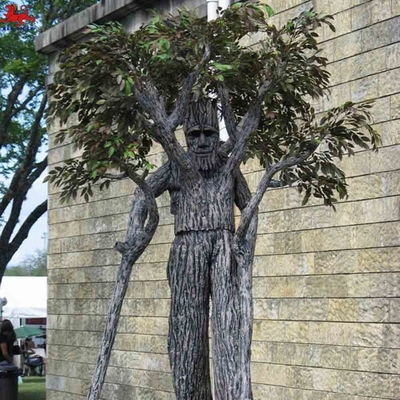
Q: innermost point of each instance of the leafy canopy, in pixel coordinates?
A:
(100, 80)
(22, 73)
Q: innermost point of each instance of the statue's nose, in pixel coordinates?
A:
(202, 139)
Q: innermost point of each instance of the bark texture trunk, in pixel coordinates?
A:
(208, 261)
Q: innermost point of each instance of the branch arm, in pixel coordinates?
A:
(144, 206)
(247, 125)
(177, 116)
(164, 126)
(265, 182)
(138, 237)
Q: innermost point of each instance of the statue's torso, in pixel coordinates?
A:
(208, 207)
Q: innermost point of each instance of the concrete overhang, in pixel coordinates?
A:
(71, 30)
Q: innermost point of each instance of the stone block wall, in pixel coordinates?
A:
(326, 284)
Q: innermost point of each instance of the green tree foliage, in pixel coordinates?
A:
(33, 265)
(105, 79)
(22, 109)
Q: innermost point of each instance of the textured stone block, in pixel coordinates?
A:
(291, 264)
(389, 82)
(104, 224)
(366, 88)
(84, 259)
(381, 10)
(358, 66)
(328, 333)
(337, 95)
(112, 391)
(390, 131)
(362, 16)
(343, 25)
(393, 56)
(78, 322)
(373, 260)
(381, 110)
(83, 274)
(395, 105)
(70, 385)
(349, 213)
(380, 34)
(347, 46)
(395, 7)
(326, 356)
(151, 326)
(53, 395)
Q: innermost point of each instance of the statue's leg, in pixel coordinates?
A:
(231, 360)
(189, 280)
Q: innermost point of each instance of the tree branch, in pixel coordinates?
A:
(181, 107)
(247, 125)
(30, 96)
(20, 178)
(27, 225)
(229, 119)
(8, 111)
(19, 198)
(138, 236)
(149, 100)
(164, 125)
(39, 168)
(251, 209)
(36, 136)
(116, 177)
(13, 218)
(151, 205)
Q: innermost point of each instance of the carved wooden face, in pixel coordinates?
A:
(203, 145)
(202, 141)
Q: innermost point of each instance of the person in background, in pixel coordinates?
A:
(7, 339)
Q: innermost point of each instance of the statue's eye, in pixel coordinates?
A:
(209, 133)
(194, 134)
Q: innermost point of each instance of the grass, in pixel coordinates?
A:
(32, 388)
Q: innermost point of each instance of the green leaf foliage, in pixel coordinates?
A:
(99, 81)
(21, 64)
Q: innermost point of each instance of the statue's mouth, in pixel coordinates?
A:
(204, 152)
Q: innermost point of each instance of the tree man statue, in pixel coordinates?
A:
(128, 90)
(201, 263)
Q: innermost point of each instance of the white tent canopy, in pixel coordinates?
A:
(26, 297)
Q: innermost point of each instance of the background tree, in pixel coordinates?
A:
(33, 265)
(129, 90)
(22, 109)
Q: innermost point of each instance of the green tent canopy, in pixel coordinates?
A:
(28, 331)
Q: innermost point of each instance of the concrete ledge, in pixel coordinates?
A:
(70, 30)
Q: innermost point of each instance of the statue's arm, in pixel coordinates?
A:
(242, 191)
(159, 182)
